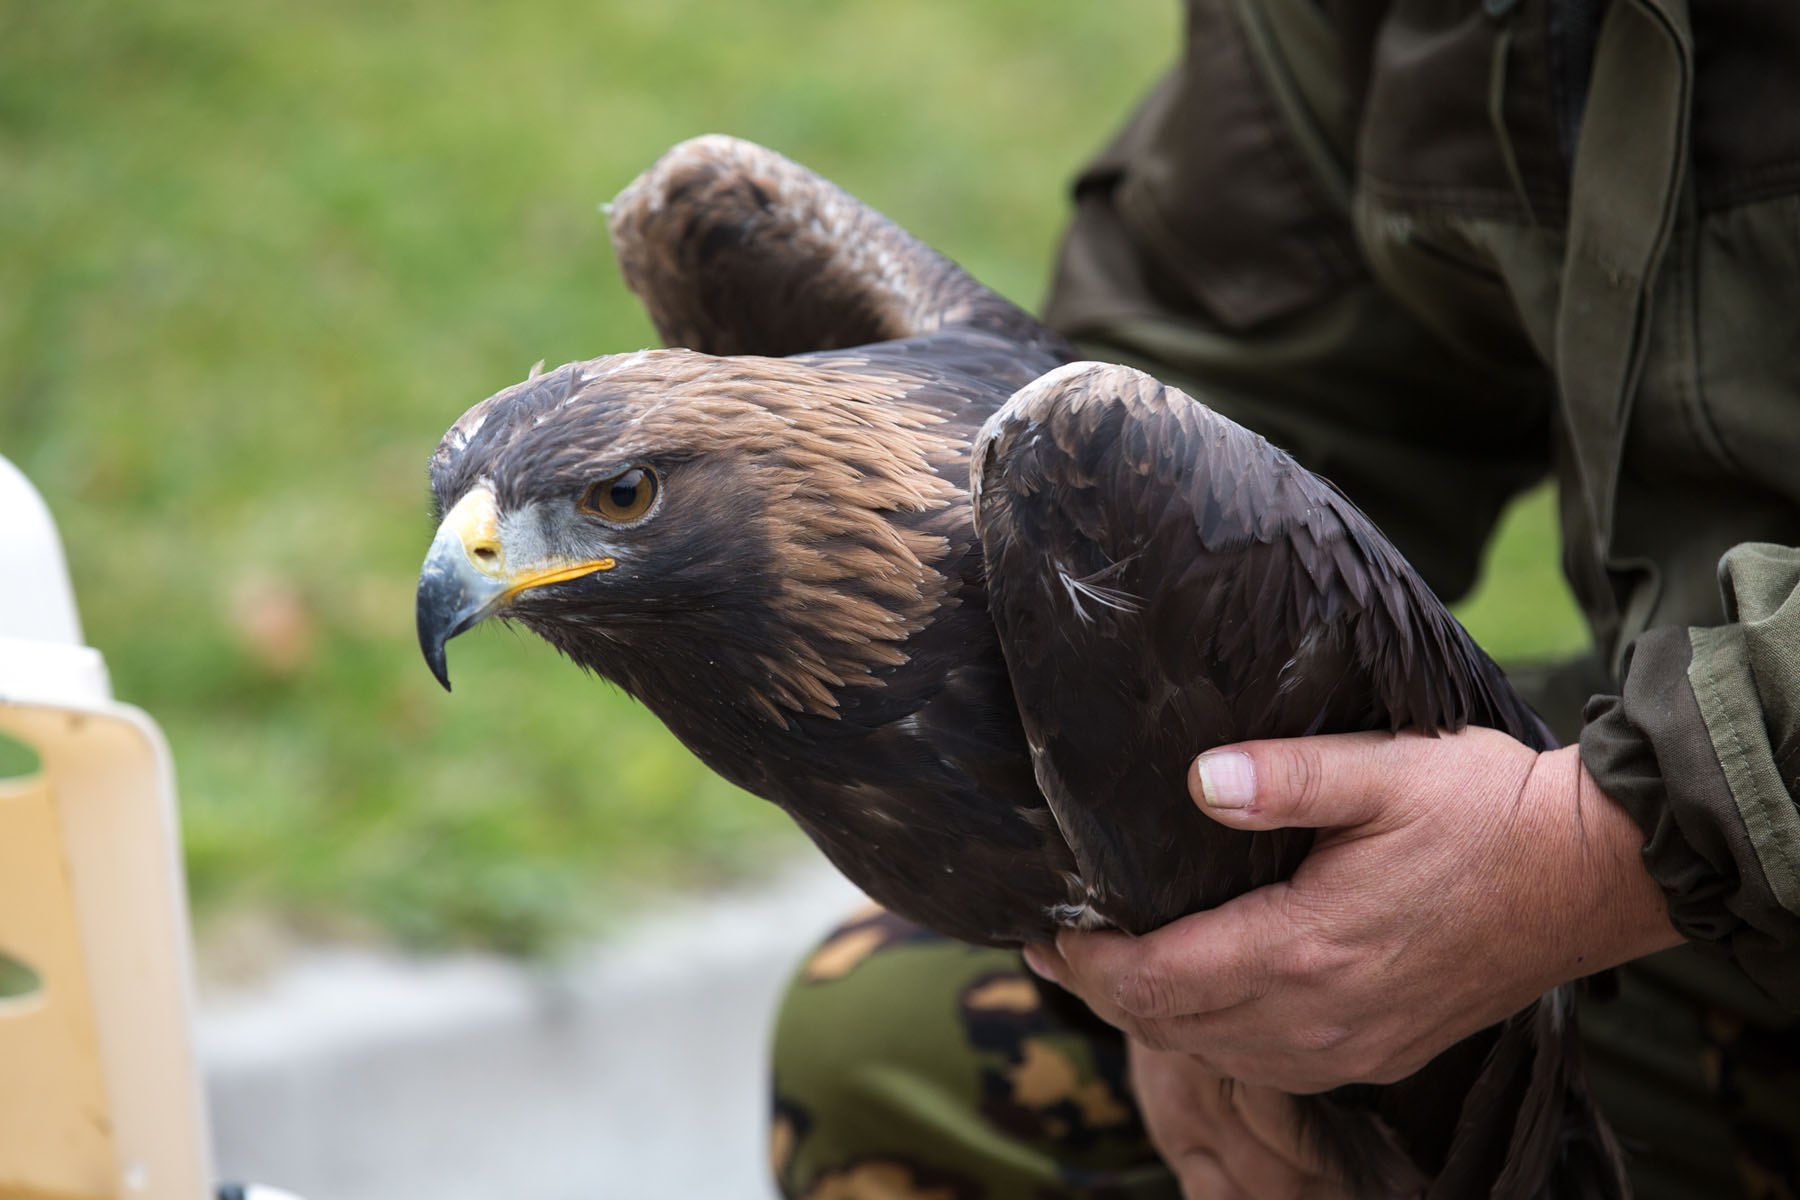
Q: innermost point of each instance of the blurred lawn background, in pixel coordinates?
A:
(255, 257)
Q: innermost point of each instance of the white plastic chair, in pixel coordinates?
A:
(100, 1097)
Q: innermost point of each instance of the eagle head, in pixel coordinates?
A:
(753, 531)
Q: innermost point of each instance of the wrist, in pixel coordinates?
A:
(1619, 910)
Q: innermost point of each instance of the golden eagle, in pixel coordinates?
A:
(875, 548)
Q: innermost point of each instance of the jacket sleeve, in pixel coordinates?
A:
(1702, 748)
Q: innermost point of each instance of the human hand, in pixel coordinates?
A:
(1456, 878)
(1225, 1140)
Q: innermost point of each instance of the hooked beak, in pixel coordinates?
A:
(466, 577)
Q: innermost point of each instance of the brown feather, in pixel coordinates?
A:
(735, 249)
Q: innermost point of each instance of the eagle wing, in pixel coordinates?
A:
(735, 249)
(1164, 581)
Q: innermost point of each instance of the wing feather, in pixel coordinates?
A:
(1270, 606)
(735, 249)
(1267, 606)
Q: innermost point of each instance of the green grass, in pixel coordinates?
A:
(1522, 610)
(254, 258)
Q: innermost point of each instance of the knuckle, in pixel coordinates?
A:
(1321, 1039)
(1146, 991)
(1302, 1084)
(1364, 1065)
(1300, 960)
(1386, 1068)
(1298, 775)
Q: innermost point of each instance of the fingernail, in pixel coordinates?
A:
(1227, 779)
(1038, 961)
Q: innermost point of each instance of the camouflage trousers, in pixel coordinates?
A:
(911, 1067)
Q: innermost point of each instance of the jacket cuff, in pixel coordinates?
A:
(1665, 749)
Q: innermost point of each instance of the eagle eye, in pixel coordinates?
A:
(623, 498)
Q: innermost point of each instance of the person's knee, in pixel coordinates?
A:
(907, 1063)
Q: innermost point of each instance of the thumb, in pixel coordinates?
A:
(1330, 781)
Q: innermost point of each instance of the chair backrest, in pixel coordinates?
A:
(100, 1098)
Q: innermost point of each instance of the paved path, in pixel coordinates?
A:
(635, 1072)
